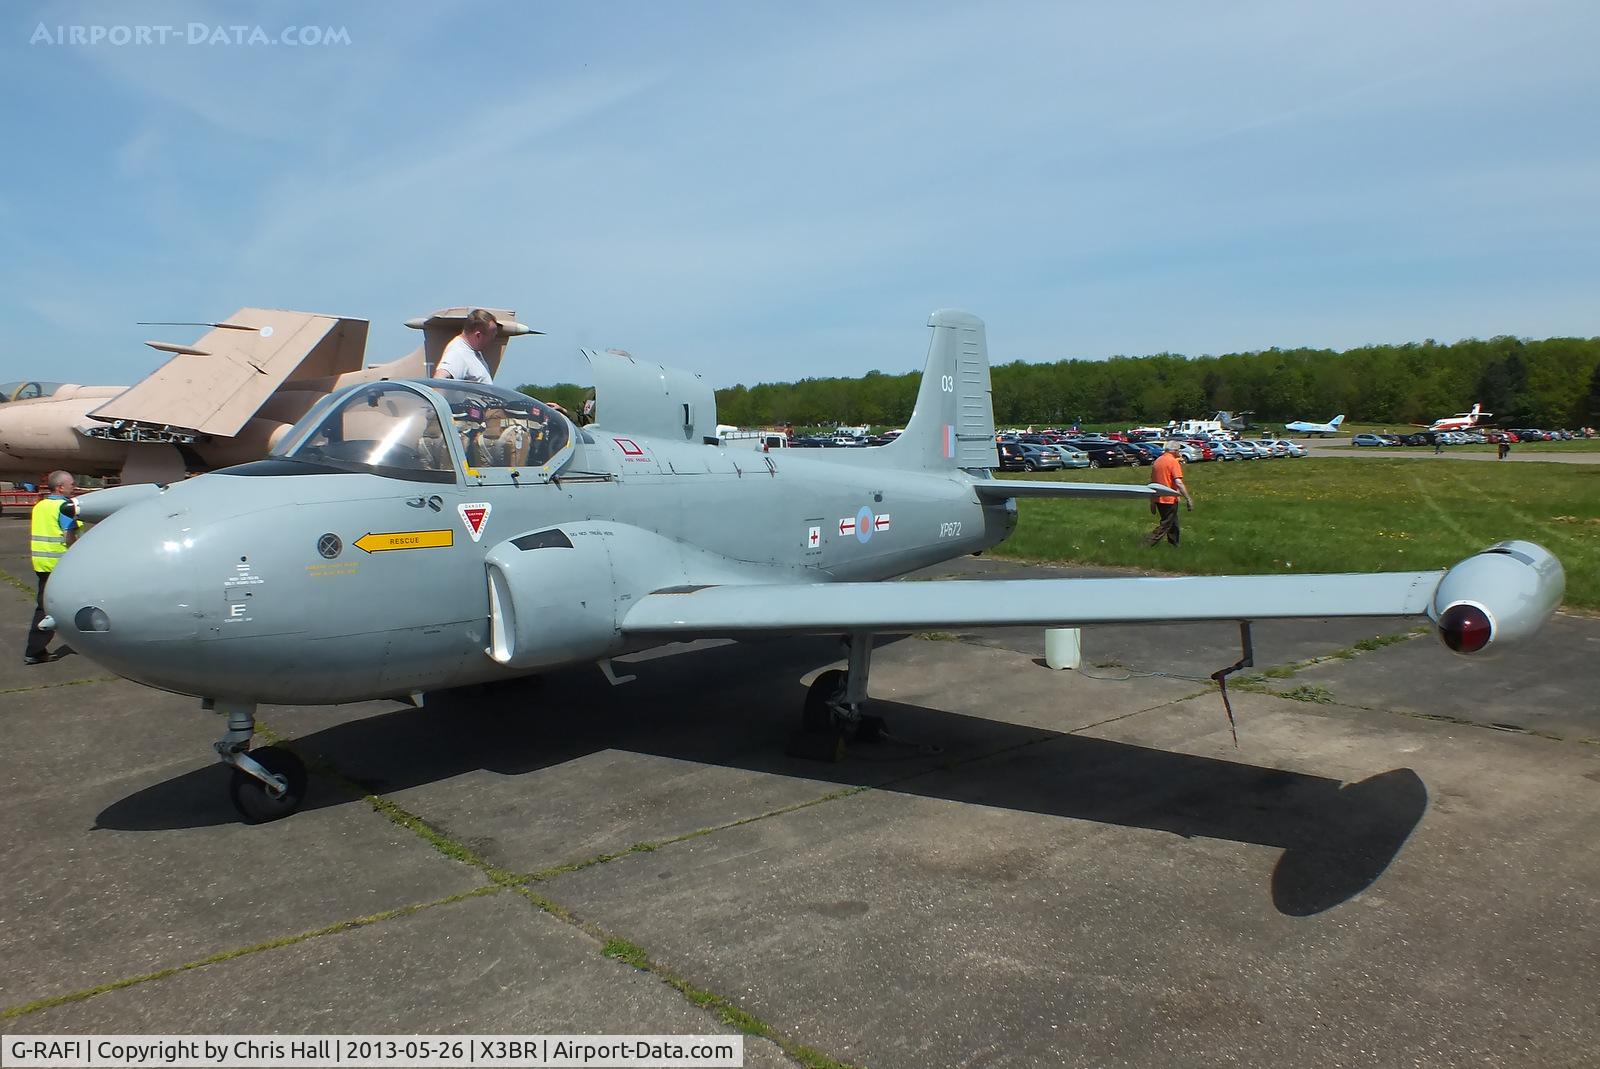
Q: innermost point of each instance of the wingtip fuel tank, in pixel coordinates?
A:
(1497, 598)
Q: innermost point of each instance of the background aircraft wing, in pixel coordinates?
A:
(839, 608)
(217, 384)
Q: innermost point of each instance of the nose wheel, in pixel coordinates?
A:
(268, 783)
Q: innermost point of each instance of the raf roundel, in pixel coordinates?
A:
(864, 526)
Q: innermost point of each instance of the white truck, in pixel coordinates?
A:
(1206, 428)
(756, 441)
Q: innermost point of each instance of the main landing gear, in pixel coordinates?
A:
(834, 708)
(267, 783)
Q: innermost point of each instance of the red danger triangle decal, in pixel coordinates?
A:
(475, 516)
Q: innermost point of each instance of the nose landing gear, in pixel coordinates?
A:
(268, 783)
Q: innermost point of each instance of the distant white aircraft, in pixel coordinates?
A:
(1303, 427)
(1461, 420)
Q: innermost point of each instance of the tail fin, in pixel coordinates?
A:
(953, 423)
(1336, 420)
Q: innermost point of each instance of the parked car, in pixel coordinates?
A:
(1039, 457)
(1132, 455)
(1100, 454)
(1070, 457)
(1011, 458)
(1368, 439)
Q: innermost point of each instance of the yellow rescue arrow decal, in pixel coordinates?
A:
(390, 540)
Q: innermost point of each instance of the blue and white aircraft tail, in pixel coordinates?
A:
(1305, 427)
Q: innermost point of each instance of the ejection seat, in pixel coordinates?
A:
(504, 442)
(434, 452)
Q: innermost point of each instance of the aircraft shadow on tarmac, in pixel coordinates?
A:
(735, 706)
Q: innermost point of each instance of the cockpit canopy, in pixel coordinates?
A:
(26, 391)
(395, 429)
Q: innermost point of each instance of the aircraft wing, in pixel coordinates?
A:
(1000, 489)
(840, 608)
(217, 384)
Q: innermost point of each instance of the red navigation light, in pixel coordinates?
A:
(1465, 628)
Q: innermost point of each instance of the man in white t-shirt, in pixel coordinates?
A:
(462, 358)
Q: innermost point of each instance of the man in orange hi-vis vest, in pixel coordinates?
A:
(1168, 471)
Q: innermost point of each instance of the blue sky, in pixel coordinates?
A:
(770, 191)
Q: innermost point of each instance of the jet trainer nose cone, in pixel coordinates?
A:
(123, 594)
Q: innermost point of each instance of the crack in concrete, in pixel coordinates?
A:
(36, 1005)
(27, 591)
(62, 683)
(727, 1010)
(648, 846)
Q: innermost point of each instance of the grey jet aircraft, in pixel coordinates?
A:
(412, 536)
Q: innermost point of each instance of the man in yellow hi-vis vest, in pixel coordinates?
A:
(55, 524)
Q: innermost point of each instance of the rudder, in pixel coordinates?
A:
(952, 425)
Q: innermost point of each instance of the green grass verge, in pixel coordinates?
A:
(1330, 515)
(1524, 449)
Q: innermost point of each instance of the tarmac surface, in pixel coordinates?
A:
(1398, 865)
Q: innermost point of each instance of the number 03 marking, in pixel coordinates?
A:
(947, 383)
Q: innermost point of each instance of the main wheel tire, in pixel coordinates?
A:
(817, 715)
(251, 797)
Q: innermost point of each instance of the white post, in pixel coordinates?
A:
(1063, 647)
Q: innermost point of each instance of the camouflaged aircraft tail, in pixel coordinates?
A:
(953, 423)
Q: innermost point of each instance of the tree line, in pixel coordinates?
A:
(1550, 383)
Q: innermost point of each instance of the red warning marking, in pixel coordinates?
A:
(474, 515)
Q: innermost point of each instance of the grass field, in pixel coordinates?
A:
(1348, 429)
(1576, 445)
(1332, 515)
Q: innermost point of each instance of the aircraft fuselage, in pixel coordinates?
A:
(260, 582)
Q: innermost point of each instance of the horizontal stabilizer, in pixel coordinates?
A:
(844, 608)
(1000, 489)
(440, 327)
